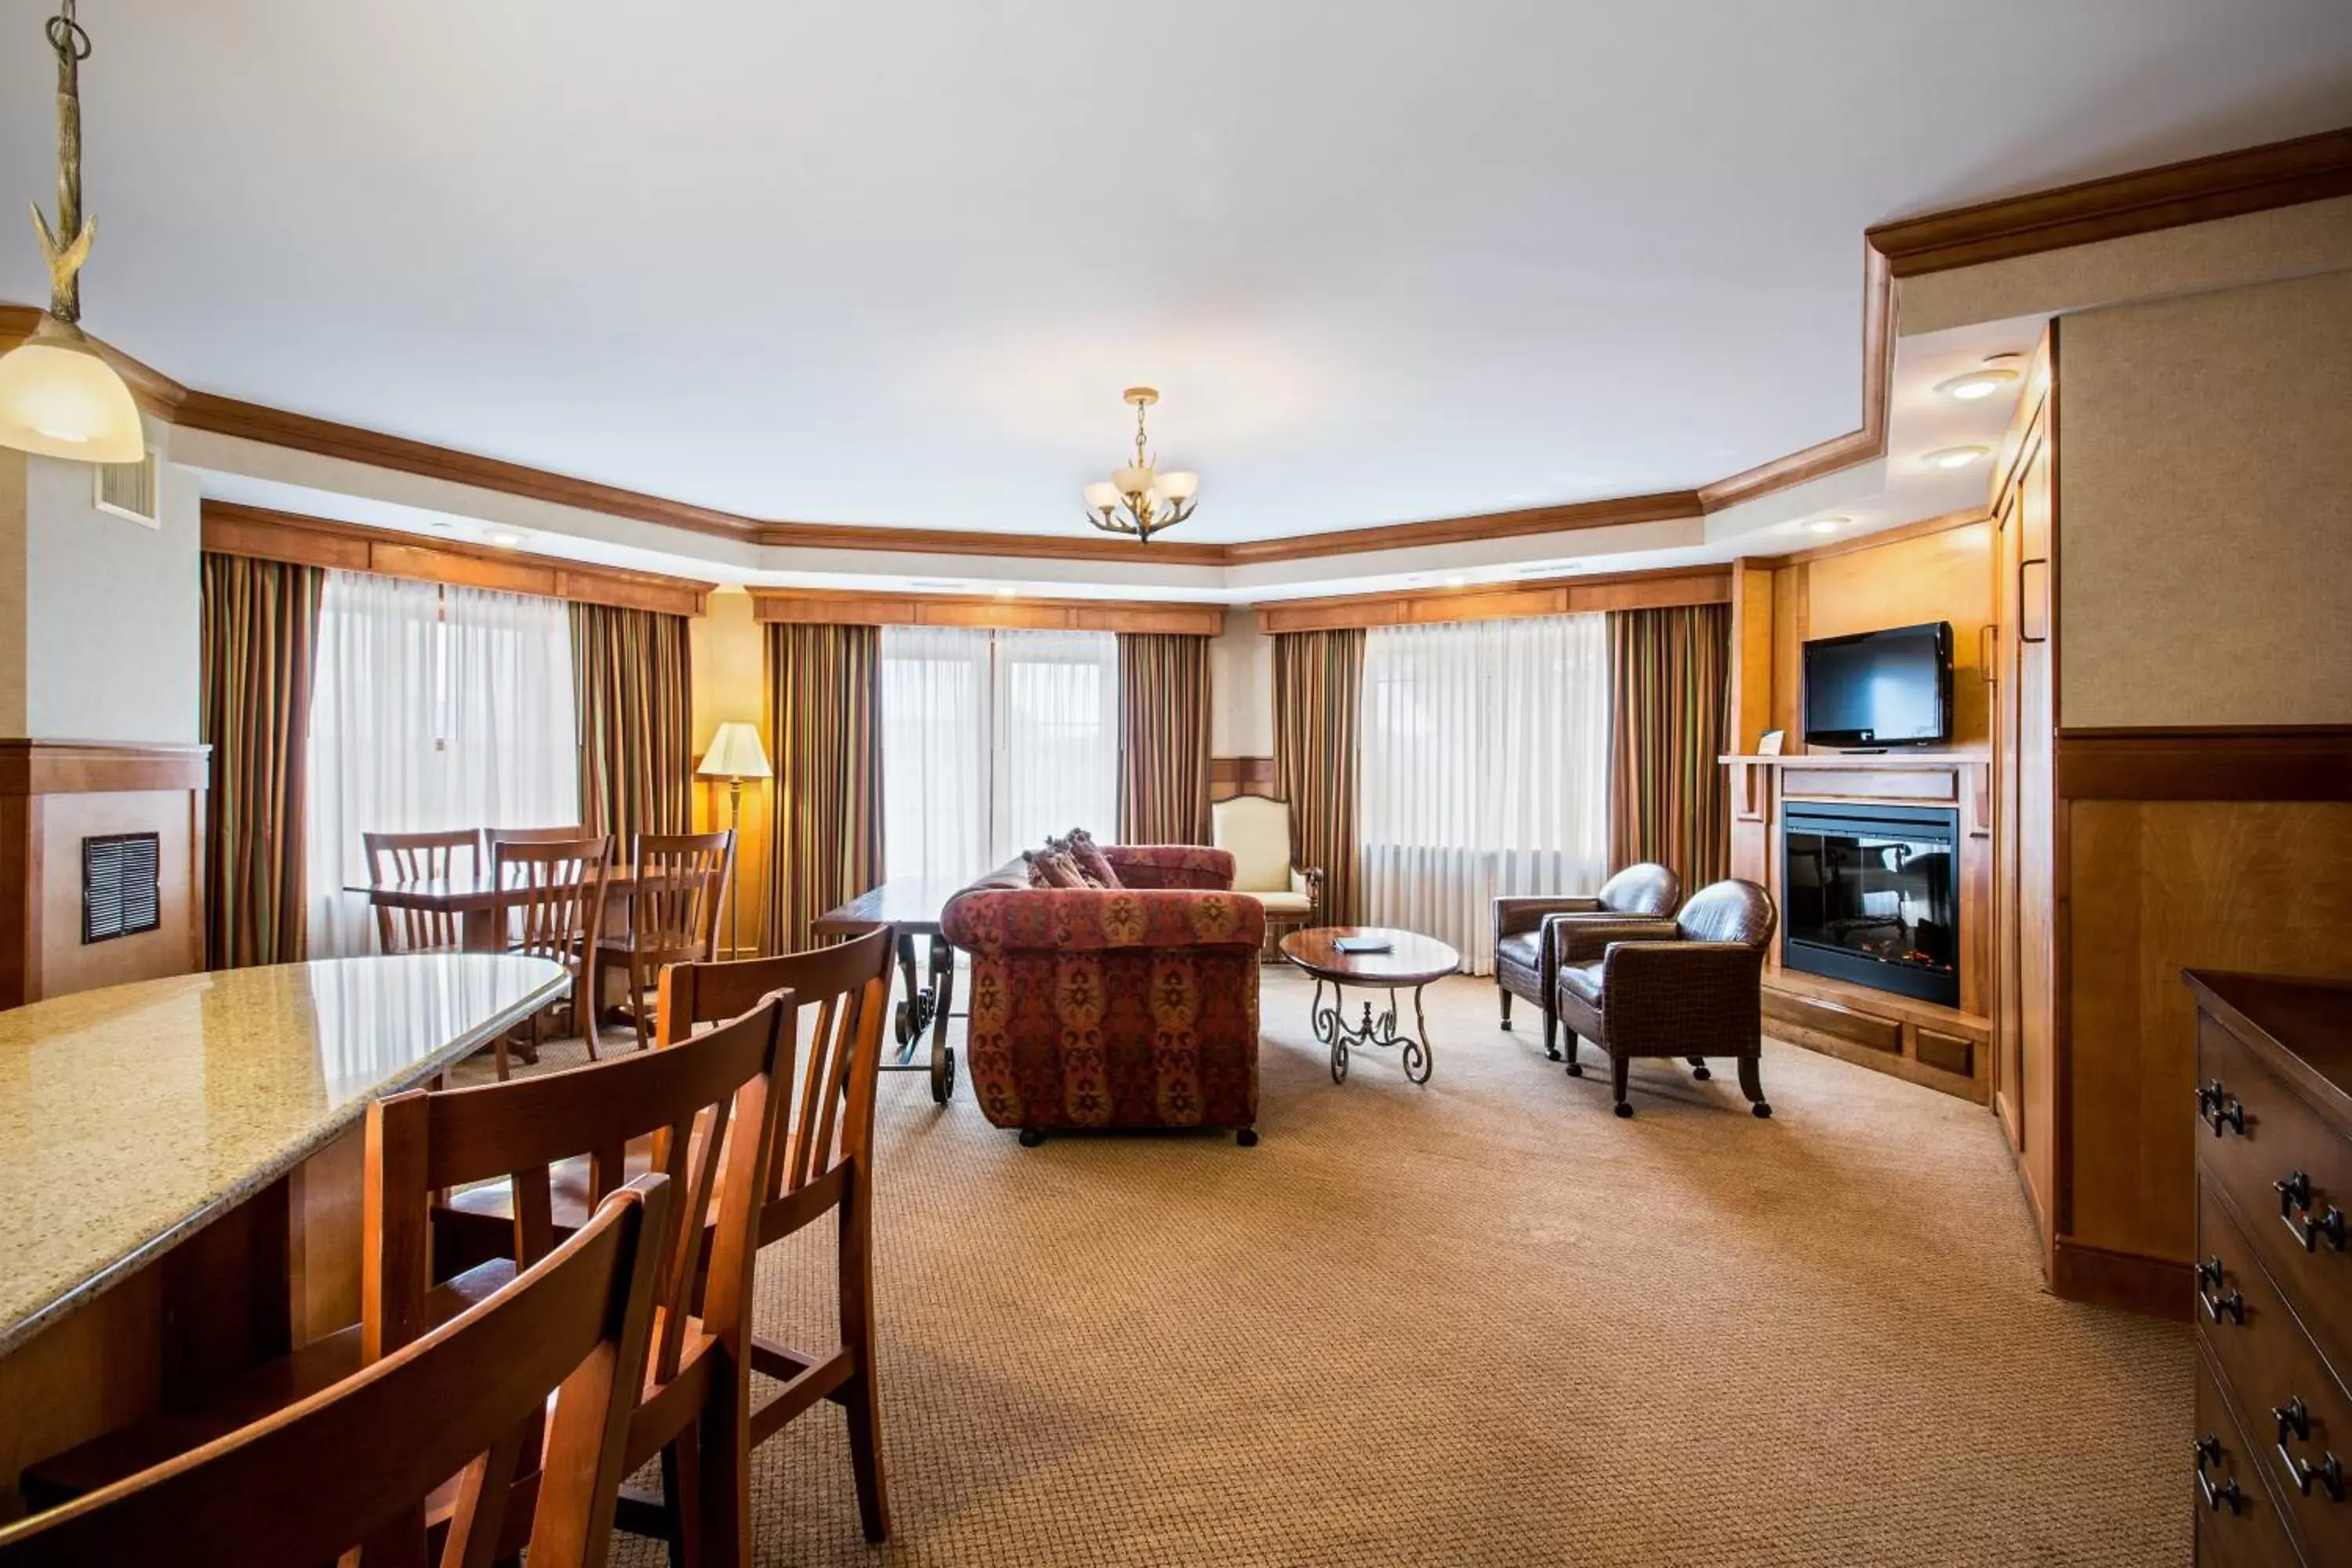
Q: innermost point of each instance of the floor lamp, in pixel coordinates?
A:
(735, 754)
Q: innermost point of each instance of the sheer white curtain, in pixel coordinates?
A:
(990, 741)
(935, 686)
(432, 707)
(1486, 771)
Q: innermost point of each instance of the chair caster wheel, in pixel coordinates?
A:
(1576, 1069)
(1763, 1110)
(1701, 1074)
(1247, 1136)
(1031, 1137)
(1624, 1110)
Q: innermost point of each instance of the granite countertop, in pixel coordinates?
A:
(132, 1116)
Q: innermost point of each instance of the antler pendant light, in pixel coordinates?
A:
(57, 397)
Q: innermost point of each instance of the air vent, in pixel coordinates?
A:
(128, 490)
(122, 889)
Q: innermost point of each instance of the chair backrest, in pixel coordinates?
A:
(562, 885)
(352, 1465)
(686, 1100)
(498, 835)
(1642, 890)
(421, 857)
(1730, 910)
(1255, 830)
(681, 880)
(830, 1124)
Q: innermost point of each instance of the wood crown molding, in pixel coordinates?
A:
(30, 767)
(1944, 522)
(231, 529)
(2299, 762)
(2198, 189)
(2253, 179)
(1502, 601)
(844, 607)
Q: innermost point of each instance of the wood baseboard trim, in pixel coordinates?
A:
(2131, 1281)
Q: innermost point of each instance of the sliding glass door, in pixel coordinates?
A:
(1486, 771)
(991, 741)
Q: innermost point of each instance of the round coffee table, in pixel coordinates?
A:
(1410, 960)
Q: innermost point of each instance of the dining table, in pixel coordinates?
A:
(182, 1164)
(478, 903)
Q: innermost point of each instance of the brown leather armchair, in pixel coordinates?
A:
(1525, 962)
(1691, 986)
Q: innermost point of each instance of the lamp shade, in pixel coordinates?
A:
(735, 753)
(59, 399)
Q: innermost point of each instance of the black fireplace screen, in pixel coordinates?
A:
(1872, 895)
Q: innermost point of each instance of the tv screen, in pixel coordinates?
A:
(1880, 689)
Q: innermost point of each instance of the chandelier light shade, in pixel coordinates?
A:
(1137, 499)
(57, 397)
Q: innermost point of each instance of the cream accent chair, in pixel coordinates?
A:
(1255, 830)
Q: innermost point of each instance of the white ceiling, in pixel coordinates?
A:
(892, 263)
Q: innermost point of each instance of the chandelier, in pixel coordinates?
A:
(1137, 499)
(57, 397)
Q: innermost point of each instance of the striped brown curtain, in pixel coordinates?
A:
(1163, 738)
(825, 736)
(1318, 679)
(261, 645)
(632, 694)
(1670, 688)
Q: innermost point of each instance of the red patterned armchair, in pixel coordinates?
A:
(1114, 1007)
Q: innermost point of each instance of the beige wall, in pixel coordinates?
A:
(1240, 689)
(2205, 562)
(725, 646)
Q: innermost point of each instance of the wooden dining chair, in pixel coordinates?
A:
(350, 1466)
(824, 1165)
(422, 858)
(498, 835)
(678, 885)
(558, 910)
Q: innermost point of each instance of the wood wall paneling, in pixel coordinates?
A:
(230, 528)
(1230, 776)
(848, 608)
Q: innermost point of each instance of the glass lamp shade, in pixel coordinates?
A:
(735, 753)
(59, 399)
(1132, 481)
(1102, 496)
(1178, 487)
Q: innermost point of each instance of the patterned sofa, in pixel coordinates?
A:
(1115, 1007)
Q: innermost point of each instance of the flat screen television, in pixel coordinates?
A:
(1880, 689)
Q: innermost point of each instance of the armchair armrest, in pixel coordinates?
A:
(1678, 998)
(1513, 916)
(1580, 938)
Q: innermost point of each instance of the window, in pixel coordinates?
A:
(433, 706)
(1485, 771)
(991, 741)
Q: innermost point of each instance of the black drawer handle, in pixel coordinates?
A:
(2296, 1204)
(2218, 1107)
(2207, 1451)
(2293, 1420)
(2209, 1293)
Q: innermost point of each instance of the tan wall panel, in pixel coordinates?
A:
(1944, 576)
(2205, 557)
(725, 646)
(2156, 887)
(174, 947)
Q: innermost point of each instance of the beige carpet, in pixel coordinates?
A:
(1484, 1322)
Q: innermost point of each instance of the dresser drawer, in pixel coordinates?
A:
(2268, 1138)
(2237, 1523)
(2298, 1419)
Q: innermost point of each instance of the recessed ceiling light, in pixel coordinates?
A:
(1826, 525)
(1957, 456)
(1005, 592)
(505, 538)
(1454, 582)
(1977, 384)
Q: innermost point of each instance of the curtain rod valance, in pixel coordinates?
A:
(810, 606)
(231, 529)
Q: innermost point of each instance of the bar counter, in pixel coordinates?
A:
(196, 1142)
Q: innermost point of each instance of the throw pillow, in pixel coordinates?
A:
(1092, 861)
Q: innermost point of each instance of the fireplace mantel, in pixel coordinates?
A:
(1945, 1048)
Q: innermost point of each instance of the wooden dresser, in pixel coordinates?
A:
(2274, 1435)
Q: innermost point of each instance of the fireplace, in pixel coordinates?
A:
(1872, 895)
